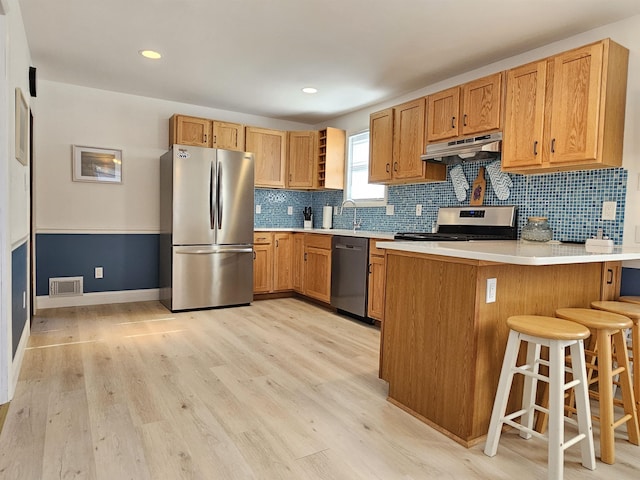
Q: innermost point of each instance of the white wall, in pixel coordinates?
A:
(627, 33)
(71, 115)
(14, 183)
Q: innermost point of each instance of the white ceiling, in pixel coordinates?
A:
(254, 56)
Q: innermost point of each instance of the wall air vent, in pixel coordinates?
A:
(66, 286)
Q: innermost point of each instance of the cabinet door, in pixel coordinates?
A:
(262, 268)
(283, 262)
(270, 152)
(375, 301)
(317, 273)
(408, 140)
(302, 157)
(228, 136)
(524, 115)
(380, 145)
(298, 262)
(482, 105)
(577, 83)
(443, 110)
(191, 131)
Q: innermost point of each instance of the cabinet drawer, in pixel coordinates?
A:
(373, 250)
(262, 238)
(318, 241)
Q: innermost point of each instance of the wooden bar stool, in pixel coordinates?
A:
(607, 327)
(629, 307)
(557, 335)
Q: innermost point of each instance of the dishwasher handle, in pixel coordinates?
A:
(343, 246)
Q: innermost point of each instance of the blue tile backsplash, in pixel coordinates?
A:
(571, 200)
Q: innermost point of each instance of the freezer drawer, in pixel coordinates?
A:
(211, 276)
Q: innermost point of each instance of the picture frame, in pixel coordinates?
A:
(22, 128)
(98, 165)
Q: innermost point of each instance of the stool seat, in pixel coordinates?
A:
(628, 309)
(595, 319)
(548, 327)
(630, 299)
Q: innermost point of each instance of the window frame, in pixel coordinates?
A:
(370, 202)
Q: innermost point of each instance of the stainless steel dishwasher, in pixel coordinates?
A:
(349, 275)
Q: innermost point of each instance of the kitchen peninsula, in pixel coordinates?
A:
(444, 336)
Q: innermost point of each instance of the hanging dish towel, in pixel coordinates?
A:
(500, 181)
(460, 184)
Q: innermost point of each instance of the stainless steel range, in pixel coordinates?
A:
(471, 223)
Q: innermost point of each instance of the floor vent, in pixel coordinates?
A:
(65, 286)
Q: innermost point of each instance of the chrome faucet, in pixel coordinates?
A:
(356, 224)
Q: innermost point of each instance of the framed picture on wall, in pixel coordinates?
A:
(22, 128)
(91, 164)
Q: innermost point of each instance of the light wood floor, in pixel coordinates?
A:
(278, 390)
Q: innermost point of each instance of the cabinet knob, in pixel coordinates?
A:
(205, 138)
(553, 145)
(215, 138)
(464, 120)
(453, 122)
(609, 276)
(395, 166)
(276, 243)
(254, 254)
(305, 256)
(388, 168)
(535, 147)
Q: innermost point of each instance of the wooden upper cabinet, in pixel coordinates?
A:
(579, 98)
(331, 158)
(443, 114)
(482, 105)
(185, 130)
(270, 152)
(524, 115)
(380, 145)
(302, 159)
(228, 136)
(408, 140)
(577, 85)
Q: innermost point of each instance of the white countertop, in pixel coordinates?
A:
(333, 231)
(518, 252)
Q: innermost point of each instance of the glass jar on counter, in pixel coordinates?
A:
(537, 230)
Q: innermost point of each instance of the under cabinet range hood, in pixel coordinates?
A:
(483, 147)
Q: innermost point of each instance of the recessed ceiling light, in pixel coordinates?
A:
(150, 54)
(310, 90)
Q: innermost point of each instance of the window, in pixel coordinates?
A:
(358, 187)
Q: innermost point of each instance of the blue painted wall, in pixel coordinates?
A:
(18, 287)
(130, 261)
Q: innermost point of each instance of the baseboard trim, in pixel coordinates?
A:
(98, 298)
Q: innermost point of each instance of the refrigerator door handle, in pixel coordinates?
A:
(209, 251)
(211, 219)
(219, 196)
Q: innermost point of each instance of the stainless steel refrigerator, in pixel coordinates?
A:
(206, 228)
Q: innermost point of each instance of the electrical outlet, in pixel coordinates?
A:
(491, 290)
(289, 210)
(258, 209)
(418, 210)
(389, 209)
(609, 210)
(99, 272)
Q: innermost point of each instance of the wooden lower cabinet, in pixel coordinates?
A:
(317, 267)
(272, 262)
(298, 263)
(442, 345)
(262, 262)
(282, 261)
(377, 271)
